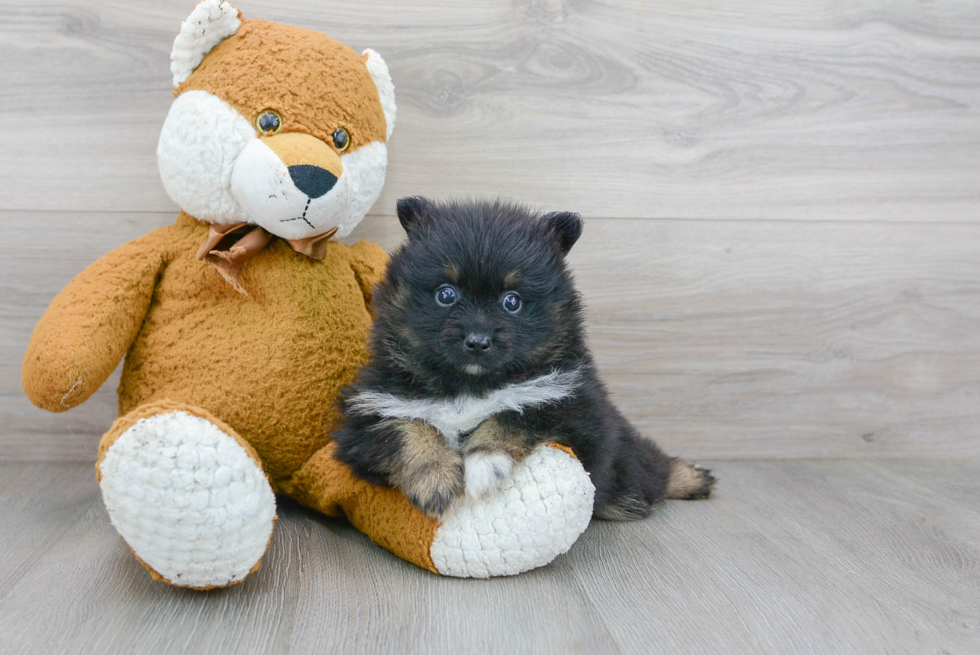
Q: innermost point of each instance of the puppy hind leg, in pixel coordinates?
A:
(689, 481)
(636, 481)
(642, 475)
(629, 506)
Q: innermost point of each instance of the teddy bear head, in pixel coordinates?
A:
(274, 125)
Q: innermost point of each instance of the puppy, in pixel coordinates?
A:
(479, 355)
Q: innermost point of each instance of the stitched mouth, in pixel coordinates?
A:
(301, 218)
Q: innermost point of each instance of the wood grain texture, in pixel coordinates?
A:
(826, 110)
(789, 557)
(721, 339)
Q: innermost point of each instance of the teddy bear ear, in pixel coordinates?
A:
(386, 90)
(211, 22)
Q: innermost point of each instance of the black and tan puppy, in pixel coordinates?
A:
(479, 355)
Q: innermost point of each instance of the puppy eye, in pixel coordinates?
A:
(512, 302)
(341, 139)
(268, 122)
(446, 296)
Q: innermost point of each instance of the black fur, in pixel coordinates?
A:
(418, 350)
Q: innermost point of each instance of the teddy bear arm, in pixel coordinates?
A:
(90, 325)
(369, 261)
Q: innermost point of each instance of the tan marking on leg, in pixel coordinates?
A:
(428, 471)
(490, 454)
(688, 482)
(492, 436)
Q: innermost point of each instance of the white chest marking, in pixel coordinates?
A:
(454, 417)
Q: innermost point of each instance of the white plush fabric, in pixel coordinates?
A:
(201, 140)
(216, 169)
(210, 23)
(386, 90)
(534, 515)
(261, 184)
(366, 168)
(188, 499)
(456, 416)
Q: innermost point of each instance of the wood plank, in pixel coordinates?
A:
(794, 557)
(823, 110)
(788, 557)
(721, 339)
(777, 339)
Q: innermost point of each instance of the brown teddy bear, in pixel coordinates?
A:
(240, 323)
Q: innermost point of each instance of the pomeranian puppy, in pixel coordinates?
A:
(479, 355)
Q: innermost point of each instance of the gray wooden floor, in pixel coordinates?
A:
(799, 556)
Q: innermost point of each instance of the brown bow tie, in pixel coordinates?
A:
(229, 248)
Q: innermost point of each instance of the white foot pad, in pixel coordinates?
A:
(188, 499)
(534, 515)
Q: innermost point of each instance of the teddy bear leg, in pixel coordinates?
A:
(532, 517)
(187, 494)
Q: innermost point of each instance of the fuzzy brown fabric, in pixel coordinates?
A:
(265, 368)
(240, 71)
(268, 364)
(382, 513)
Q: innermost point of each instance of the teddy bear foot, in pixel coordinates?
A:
(536, 514)
(189, 497)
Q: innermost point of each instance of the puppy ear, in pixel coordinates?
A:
(414, 213)
(566, 226)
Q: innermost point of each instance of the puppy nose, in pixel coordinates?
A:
(477, 343)
(312, 180)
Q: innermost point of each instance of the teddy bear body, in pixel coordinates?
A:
(263, 363)
(240, 323)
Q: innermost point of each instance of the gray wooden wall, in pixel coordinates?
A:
(782, 248)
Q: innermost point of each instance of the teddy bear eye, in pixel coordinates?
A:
(268, 122)
(512, 302)
(341, 139)
(446, 296)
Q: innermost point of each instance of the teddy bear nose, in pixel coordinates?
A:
(312, 180)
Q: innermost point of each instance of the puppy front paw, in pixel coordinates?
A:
(485, 471)
(435, 486)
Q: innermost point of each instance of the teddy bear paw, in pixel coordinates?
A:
(532, 516)
(189, 499)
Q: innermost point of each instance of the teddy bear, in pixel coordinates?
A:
(241, 322)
